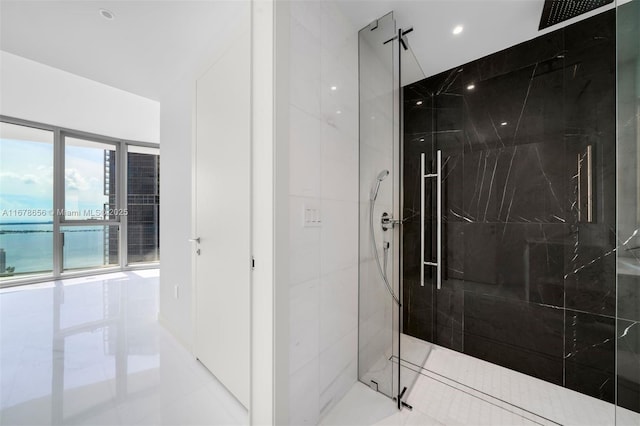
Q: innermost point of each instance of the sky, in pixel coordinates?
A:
(26, 179)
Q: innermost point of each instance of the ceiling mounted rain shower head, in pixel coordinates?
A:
(556, 11)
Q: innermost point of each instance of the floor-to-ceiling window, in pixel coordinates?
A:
(26, 201)
(92, 216)
(73, 202)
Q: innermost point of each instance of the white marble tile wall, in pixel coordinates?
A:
(323, 176)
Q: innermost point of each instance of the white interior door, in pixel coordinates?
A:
(222, 192)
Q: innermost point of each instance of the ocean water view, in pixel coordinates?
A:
(28, 247)
(89, 190)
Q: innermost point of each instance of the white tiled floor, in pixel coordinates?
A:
(384, 370)
(90, 351)
(456, 389)
(519, 393)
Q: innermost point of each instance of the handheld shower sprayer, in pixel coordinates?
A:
(381, 176)
(372, 203)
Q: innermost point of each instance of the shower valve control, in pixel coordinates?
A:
(388, 222)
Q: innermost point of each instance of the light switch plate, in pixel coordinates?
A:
(311, 215)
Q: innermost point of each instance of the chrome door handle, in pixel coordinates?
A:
(439, 219)
(585, 157)
(422, 178)
(194, 240)
(438, 176)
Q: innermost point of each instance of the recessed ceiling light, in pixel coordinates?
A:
(471, 87)
(421, 139)
(334, 88)
(457, 29)
(504, 123)
(107, 14)
(419, 103)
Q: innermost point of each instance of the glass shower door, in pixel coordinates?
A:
(628, 215)
(378, 345)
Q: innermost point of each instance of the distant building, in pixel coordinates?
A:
(143, 205)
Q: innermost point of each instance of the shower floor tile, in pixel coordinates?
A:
(455, 389)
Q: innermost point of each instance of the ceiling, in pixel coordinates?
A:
(489, 26)
(147, 46)
(152, 43)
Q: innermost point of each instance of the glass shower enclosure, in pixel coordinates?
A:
(499, 222)
(627, 349)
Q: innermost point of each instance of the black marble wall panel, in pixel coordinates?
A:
(522, 336)
(590, 354)
(449, 315)
(629, 297)
(629, 364)
(419, 321)
(590, 283)
(528, 282)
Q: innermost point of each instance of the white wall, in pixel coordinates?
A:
(176, 128)
(270, 218)
(37, 92)
(323, 167)
(267, 404)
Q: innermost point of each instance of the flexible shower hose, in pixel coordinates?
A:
(372, 204)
